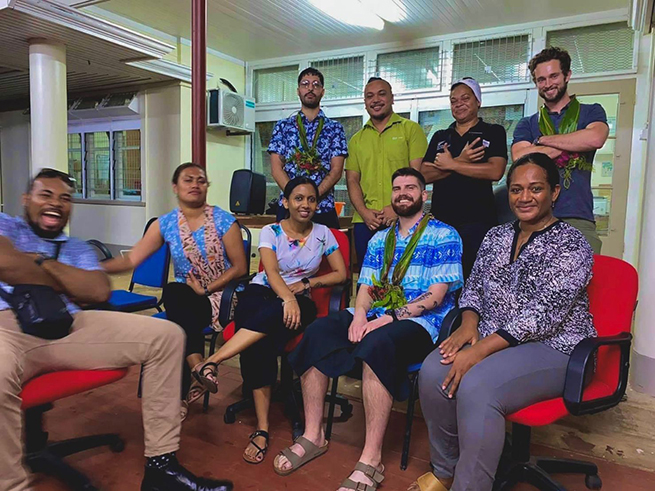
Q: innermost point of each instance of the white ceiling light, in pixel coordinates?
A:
(350, 12)
(389, 10)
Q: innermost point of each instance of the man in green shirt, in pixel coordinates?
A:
(385, 144)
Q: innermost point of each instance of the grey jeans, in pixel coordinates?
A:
(467, 432)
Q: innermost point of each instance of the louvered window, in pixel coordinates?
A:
(493, 61)
(344, 77)
(411, 70)
(596, 49)
(277, 84)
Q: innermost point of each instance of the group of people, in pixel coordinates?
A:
(521, 286)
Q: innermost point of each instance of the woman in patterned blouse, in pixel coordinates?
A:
(525, 307)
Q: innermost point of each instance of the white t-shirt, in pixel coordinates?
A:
(297, 259)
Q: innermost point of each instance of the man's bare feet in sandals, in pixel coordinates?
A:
(317, 446)
(364, 473)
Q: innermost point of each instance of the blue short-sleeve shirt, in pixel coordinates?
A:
(437, 259)
(331, 143)
(576, 201)
(170, 231)
(72, 252)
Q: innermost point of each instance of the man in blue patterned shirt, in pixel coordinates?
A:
(330, 146)
(35, 251)
(395, 323)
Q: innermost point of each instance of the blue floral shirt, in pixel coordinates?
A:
(437, 259)
(331, 143)
(72, 252)
(170, 231)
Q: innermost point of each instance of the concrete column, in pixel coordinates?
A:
(48, 105)
(643, 357)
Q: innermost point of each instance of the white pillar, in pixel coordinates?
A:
(48, 105)
(643, 356)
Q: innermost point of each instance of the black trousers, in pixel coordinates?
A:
(260, 310)
(388, 350)
(472, 235)
(329, 219)
(193, 313)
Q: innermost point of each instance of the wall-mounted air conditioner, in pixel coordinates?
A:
(112, 105)
(226, 109)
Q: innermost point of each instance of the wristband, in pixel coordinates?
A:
(305, 281)
(41, 258)
(207, 292)
(392, 313)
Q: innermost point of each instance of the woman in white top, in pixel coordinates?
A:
(275, 306)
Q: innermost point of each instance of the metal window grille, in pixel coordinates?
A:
(276, 84)
(410, 70)
(344, 77)
(493, 61)
(127, 164)
(75, 162)
(98, 164)
(351, 125)
(596, 49)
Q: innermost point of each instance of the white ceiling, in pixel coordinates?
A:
(259, 29)
(92, 63)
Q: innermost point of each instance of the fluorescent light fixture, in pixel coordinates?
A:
(350, 12)
(389, 10)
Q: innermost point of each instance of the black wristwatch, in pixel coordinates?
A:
(392, 313)
(305, 281)
(41, 258)
(207, 292)
(536, 141)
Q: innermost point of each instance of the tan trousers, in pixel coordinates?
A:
(98, 340)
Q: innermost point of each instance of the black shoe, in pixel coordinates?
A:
(174, 477)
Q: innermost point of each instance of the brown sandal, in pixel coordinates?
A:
(260, 450)
(206, 374)
(296, 461)
(369, 471)
(196, 391)
(430, 482)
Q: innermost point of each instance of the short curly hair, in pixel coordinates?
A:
(548, 54)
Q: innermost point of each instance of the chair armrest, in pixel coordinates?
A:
(579, 364)
(102, 248)
(336, 298)
(230, 289)
(449, 324)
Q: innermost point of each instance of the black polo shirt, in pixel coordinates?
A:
(458, 199)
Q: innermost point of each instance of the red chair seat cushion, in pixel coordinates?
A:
(58, 385)
(547, 412)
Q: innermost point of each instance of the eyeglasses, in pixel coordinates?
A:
(305, 84)
(50, 173)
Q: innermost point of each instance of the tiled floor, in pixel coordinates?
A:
(212, 448)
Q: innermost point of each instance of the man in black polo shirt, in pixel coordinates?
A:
(462, 161)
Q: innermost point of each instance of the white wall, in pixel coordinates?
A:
(112, 224)
(15, 159)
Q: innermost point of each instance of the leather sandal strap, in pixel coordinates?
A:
(369, 471)
(357, 486)
(429, 482)
(252, 441)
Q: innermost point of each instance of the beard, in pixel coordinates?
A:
(558, 96)
(44, 234)
(310, 103)
(407, 210)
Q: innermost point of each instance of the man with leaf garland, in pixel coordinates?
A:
(570, 133)
(408, 280)
(310, 144)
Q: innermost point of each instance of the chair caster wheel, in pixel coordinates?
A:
(117, 446)
(593, 482)
(229, 418)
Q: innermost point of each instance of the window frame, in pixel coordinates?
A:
(110, 126)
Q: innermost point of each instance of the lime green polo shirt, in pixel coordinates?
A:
(376, 156)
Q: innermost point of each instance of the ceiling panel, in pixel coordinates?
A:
(91, 63)
(259, 29)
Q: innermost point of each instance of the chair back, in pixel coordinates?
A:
(247, 244)
(321, 296)
(153, 272)
(612, 300)
(503, 211)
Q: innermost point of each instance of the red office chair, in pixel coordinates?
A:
(37, 396)
(612, 300)
(327, 300)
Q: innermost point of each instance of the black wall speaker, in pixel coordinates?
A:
(247, 192)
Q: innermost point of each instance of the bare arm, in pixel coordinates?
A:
(431, 173)
(272, 268)
(427, 301)
(363, 303)
(337, 276)
(336, 170)
(520, 149)
(233, 243)
(18, 268)
(591, 138)
(492, 170)
(80, 285)
(416, 164)
(148, 245)
(277, 170)
(355, 191)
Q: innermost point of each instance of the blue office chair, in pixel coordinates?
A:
(210, 334)
(152, 272)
